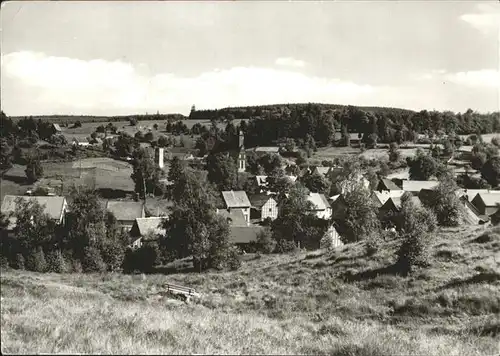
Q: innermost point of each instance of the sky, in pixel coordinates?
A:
(120, 58)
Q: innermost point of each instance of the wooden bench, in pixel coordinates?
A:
(186, 291)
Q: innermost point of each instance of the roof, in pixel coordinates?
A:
(244, 234)
(396, 202)
(418, 185)
(471, 193)
(323, 170)
(382, 197)
(151, 224)
(465, 148)
(389, 184)
(261, 180)
(334, 198)
(56, 127)
(235, 215)
(53, 205)
(236, 199)
(258, 200)
(125, 210)
(490, 199)
(470, 214)
(273, 149)
(319, 201)
(354, 136)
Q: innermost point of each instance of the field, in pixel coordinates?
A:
(325, 303)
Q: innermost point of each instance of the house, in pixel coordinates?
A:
(389, 211)
(470, 214)
(244, 235)
(465, 152)
(80, 142)
(471, 193)
(381, 197)
(385, 184)
(415, 186)
(237, 200)
(56, 129)
(321, 206)
(234, 217)
(486, 203)
(263, 206)
(355, 138)
(54, 206)
(126, 212)
(334, 238)
(144, 228)
(266, 149)
(263, 183)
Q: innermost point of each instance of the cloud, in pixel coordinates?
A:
(486, 19)
(479, 78)
(117, 86)
(290, 62)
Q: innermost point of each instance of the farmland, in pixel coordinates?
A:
(302, 303)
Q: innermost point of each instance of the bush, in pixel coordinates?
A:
(412, 253)
(4, 262)
(19, 262)
(36, 261)
(371, 245)
(285, 246)
(233, 262)
(113, 253)
(92, 260)
(265, 242)
(56, 262)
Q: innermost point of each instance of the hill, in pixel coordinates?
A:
(341, 302)
(246, 112)
(70, 119)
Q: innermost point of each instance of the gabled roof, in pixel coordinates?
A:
(258, 200)
(271, 149)
(54, 205)
(244, 234)
(388, 184)
(418, 185)
(471, 193)
(489, 199)
(236, 199)
(322, 170)
(395, 203)
(235, 217)
(261, 180)
(465, 149)
(382, 197)
(470, 214)
(56, 127)
(125, 210)
(150, 225)
(319, 201)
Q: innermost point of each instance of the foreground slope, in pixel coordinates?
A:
(341, 303)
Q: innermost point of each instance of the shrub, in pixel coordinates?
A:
(92, 260)
(36, 261)
(372, 244)
(19, 262)
(56, 262)
(285, 246)
(113, 253)
(233, 262)
(4, 262)
(412, 252)
(265, 242)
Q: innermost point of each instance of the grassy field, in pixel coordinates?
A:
(323, 303)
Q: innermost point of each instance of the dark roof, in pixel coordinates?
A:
(53, 204)
(235, 217)
(244, 234)
(388, 184)
(258, 200)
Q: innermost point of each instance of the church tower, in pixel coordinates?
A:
(241, 153)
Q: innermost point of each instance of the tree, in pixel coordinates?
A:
(176, 169)
(491, 171)
(5, 155)
(145, 174)
(36, 260)
(193, 228)
(148, 136)
(317, 183)
(295, 221)
(265, 242)
(155, 126)
(92, 260)
(271, 163)
(34, 170)
(445, 203)
(394, 153)
(133, 121)
(422, 166)
(221, 171)
(360, 219)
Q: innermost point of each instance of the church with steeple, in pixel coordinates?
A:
(241, 153)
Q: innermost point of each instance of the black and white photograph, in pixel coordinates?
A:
(250, 177)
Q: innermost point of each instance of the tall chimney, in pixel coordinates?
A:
(241, 139)
(160, 157)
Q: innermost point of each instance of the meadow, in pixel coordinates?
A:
(341, 302)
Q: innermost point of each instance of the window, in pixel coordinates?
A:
(270, 210)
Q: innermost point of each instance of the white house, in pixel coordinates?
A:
(331, 239)
(322, 207)
(263, 206)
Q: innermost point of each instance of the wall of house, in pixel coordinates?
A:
(334, 237)
(269, 210)
(324, 214)
(490, 210)
(246, 212)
